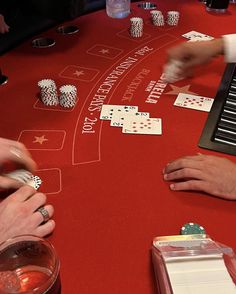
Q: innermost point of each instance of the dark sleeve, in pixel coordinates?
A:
(59, 9)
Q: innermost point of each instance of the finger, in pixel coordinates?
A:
(185, 173)
(191, 185)
(39, 217)
(36, 201)
(184, 162)
(8, 183)
(22, 194)
(45, 229)
(21, 157)
(22, 148)
(19, 153)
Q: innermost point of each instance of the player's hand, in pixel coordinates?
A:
(16, 152)
(191, 54)
(4, 28)
(210, 174)
(19, 215)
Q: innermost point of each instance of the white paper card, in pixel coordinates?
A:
(194, 102)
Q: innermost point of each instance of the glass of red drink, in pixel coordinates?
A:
(29, 265)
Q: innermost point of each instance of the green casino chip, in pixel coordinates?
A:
(192, 229)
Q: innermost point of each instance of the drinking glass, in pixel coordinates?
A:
(29, 265)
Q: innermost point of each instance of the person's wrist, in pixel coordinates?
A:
(218, 46)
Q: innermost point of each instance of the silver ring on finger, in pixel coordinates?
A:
(16, 151)
(44, 214)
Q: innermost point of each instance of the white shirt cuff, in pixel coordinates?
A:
(230, 48)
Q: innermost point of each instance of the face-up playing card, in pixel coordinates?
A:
(149, 126)
(194, 102)
(25, 177)
(198, 36)
(108, 111)
(35, 182)
(119, 117)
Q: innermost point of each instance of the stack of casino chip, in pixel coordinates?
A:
(157, 18)
(68, 96)
(172, 18)
(136, 27)
(48, 92)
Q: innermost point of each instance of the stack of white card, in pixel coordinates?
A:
(131, 121)
(25, 177)
(200, 274)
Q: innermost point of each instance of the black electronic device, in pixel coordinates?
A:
(219, 132)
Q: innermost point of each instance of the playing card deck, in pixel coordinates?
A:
(25, 177)
(131, 121)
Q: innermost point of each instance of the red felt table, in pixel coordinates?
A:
(107, 188)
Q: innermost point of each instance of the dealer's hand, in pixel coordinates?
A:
(211, 174)
(191, 54)
(19, 214)
(16, 152)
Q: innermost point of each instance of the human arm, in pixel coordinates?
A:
(187, 55)
(194, 53)
(210, 174)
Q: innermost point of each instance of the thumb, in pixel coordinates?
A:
(8, 183)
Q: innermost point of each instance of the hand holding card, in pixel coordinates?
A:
(172, 71)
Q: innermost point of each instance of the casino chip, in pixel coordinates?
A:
(192, 229)
(68, 96)
(136, 27)
(173, 18)
(157, 18)
(48, 92)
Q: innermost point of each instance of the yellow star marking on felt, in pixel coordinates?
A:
(176, 90)
(40, 140)
(78, 73)
(103, 51)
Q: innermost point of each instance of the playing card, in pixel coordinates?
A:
(149, 126)
(194, 102)
(118, 118)
(108, 111)
(196, 35)
(196, 39)
(35, 182)
(25, 177)
(20, 175)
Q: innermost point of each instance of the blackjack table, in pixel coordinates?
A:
(106, 186)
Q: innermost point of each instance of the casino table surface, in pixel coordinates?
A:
(107, 187)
